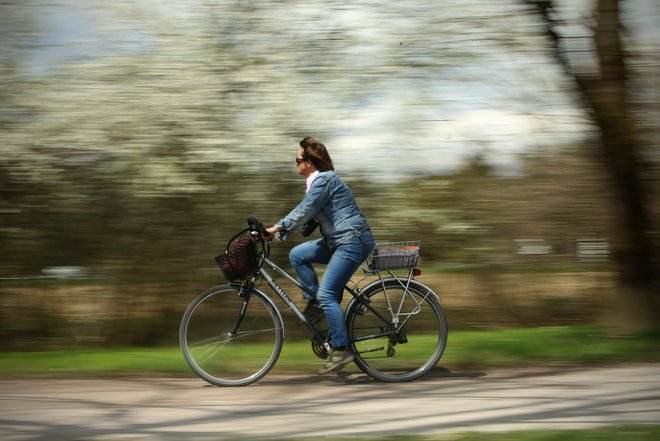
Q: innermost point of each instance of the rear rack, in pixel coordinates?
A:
(394, 255)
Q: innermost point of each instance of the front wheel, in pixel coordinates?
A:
(222, 352)
(401, 334)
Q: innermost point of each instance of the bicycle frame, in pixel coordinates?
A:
(285, 297)
(293, 307)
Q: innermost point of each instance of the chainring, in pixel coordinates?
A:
(318, 347)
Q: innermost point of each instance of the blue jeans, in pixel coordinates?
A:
(342, 263)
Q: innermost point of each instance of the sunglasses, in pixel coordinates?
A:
(300, 161)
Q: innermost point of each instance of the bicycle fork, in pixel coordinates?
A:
(244, 293)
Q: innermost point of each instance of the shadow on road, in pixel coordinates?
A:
(344, 378)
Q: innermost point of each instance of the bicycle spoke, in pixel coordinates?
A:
(253, 332)
(210, 351)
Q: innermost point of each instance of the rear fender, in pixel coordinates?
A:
(390, 282)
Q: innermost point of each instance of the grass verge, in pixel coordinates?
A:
(610, 433)
(527, 347)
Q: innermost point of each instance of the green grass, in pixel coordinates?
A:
(90, 361)
(520, 347)
(548, 346)
(611, 433)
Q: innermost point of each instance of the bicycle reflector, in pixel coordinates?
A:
(417, 272)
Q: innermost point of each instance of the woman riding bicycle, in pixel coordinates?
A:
(346, 243)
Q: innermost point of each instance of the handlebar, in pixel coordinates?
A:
(257, 227)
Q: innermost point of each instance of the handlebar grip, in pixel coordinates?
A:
(256, 224)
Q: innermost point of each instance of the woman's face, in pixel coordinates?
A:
(305, 168)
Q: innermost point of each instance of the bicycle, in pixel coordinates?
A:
(232, 334)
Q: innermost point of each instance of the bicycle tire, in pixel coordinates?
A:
(388, 357)
(220, 358)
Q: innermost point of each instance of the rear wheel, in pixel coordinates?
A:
(223, 357)
(401, 335)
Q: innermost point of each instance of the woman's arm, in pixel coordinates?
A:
(316, 198)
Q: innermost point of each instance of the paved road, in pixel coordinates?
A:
(288, 407)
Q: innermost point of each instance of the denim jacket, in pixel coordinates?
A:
(331, 203)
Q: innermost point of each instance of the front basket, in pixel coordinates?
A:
(240, 258)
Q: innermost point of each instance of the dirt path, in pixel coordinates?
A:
(305, 406)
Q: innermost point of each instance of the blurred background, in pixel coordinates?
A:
(516, 139)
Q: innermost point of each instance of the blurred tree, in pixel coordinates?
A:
(606, 93)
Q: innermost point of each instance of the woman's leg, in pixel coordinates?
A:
(345, 260)
(303, 256)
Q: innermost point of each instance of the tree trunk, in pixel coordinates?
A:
(606, 94)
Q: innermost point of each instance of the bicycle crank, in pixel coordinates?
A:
(319, 347)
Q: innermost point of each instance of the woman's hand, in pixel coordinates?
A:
(271, 233)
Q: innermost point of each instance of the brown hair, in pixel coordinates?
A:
(315, 151)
